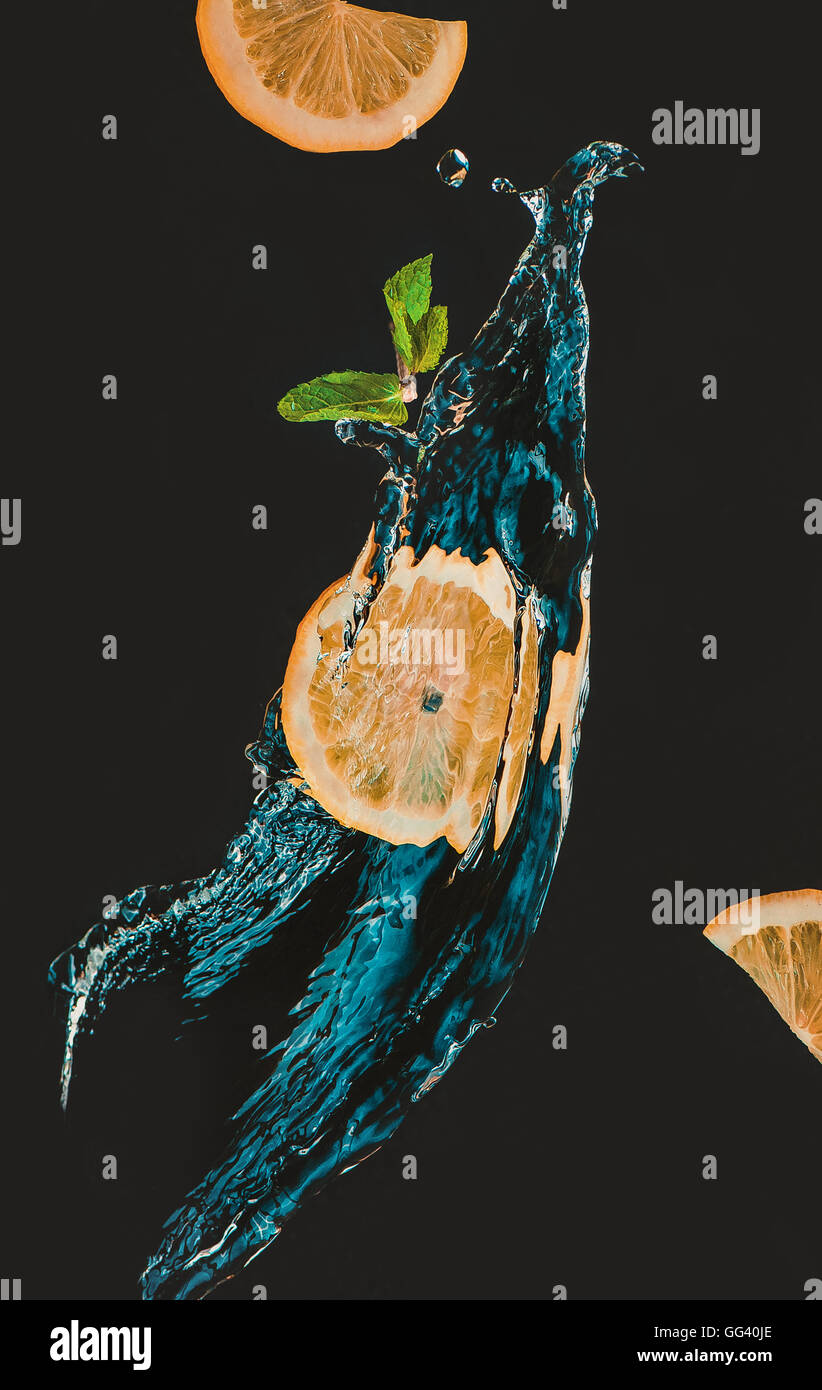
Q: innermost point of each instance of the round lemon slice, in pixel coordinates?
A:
(397, 722)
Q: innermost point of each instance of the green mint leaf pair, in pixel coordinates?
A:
(420, 334)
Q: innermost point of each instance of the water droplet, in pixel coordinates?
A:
(503, 186)
(453, 168)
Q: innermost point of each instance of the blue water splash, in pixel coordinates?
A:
(422, 944)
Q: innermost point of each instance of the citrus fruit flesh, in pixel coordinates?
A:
(326, 75)
(520, 726)
(398, 722)
(777, 939)
(568, 674)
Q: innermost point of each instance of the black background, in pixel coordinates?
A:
(536, 1167)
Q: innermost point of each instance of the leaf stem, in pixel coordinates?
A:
(408, 382)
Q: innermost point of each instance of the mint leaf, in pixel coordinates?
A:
(410, 289)
(430, 337)
(346, 396)
(420, 333)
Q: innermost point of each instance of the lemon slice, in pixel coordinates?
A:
(398, 722)
(778, 941)
(325, 75)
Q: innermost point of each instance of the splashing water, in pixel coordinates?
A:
(421, 945)
(453, 168)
